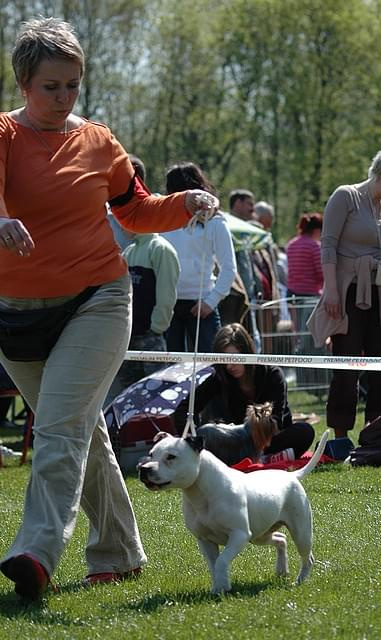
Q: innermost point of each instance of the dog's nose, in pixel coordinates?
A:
(143, 461)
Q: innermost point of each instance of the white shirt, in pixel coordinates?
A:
(215, 243)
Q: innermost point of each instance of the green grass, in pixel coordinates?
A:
(171, 599)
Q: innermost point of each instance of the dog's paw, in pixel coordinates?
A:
(220, 589)
(305, 569)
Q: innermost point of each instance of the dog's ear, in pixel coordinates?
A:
(160, 436)
(196, 442)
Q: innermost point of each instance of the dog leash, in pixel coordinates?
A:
(204, 216)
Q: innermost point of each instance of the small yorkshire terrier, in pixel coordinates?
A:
(232, 443)
(263, 426)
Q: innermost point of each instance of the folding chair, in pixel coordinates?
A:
(27, 412)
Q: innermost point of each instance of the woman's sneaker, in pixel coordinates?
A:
(109, 576)
(28, 574)
(287, 455)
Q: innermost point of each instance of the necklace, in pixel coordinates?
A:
(47, 146)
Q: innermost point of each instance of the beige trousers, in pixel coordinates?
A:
(73, 461)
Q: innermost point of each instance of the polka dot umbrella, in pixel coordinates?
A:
(155, 396)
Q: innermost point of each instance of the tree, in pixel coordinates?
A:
(281, 98)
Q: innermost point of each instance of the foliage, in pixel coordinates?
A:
(281, 98)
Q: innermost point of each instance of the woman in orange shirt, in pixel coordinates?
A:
(57, 171)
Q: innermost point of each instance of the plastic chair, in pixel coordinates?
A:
(13, 393)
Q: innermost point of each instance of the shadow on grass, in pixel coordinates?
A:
(14, 607)
(153, 602)
(37, 612)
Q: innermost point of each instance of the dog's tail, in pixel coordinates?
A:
(311, 464)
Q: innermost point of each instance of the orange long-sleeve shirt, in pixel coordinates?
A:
(60, 198)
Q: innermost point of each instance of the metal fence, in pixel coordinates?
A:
(282, 327)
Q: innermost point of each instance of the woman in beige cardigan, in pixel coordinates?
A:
(350, 308)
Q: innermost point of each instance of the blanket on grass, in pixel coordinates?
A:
(247, 465)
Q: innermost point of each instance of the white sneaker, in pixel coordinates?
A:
(287, 455)
(9, 453)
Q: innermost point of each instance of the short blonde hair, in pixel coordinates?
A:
(42, 39)
(375, 168)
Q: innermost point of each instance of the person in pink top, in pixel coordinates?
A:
(305, 274)
(57, 250)
(305, 281)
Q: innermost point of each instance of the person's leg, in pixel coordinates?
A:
(5, 403)
(6, 381)
(208, 329)
(372, 348)
(153, 343)
(6, 384)
(74, 383)
(343, 390)
(253, 326)
(175, 335)
(114, 543)
(299, 437)
(342, 398)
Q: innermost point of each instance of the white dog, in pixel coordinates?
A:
(223, 506)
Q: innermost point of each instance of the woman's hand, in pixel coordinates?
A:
(205, 310)
(331, 293)
(201, 202)
(15, 237)
(332, 304)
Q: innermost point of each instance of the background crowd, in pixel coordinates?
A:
(239, 280)
(212, 266)
(289, 282)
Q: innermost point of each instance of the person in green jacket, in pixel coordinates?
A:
(154, 269)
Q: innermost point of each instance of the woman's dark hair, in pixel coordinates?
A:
(187, 175)
(233, 335)
(308, 222)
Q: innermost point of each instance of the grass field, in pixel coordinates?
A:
(171, 598)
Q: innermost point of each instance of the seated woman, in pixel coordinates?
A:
(229, 392)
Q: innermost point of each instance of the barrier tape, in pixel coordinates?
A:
(308, 362)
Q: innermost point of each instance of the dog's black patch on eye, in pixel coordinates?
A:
(196, 442)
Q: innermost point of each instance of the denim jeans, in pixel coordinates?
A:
(73, 461)
(182, 331)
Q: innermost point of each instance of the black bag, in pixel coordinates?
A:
(28, 336)
(339, 448)
(369, 451)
